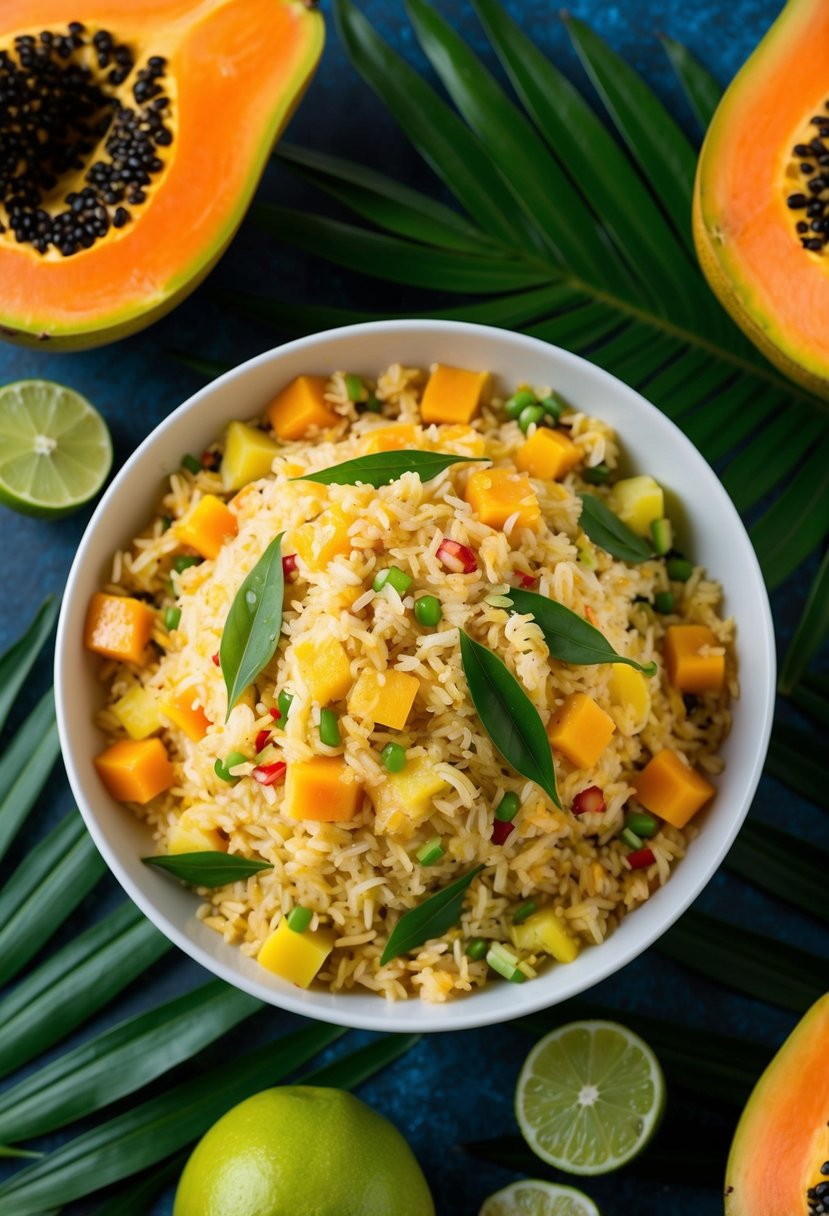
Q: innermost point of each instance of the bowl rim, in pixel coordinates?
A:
(413, 1015)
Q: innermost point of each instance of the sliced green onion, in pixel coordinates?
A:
(524, 911)
(477, 948)
(329, 728)
(430, 852)
(222, 767)
(394, 577)
(393, 757)
(598, 475)
(519, 401)
(283, 704)
(663, 536)
(505, 963)
(663, 601)
(299, 919)
(373, 405)
(508, 807)
(679, 569)
(529, 415)
(184, 562)
(642, 823)
(631, 839)
(498, 601)
(172, 616)
(553, 405)
(190, 463)
(428, 610)
(354, 387)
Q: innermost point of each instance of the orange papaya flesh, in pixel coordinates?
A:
(781, 1147)
(755, 203)
(222, 78)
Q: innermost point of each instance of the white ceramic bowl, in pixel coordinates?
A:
(710, 530)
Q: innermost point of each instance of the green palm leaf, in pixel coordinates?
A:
(812, 630)
(701, 89)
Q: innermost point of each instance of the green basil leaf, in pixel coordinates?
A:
(608, 532)
(379, 468)
(208, 868)
(251, 630)
(569, 637)
(432, 918)
(508, 716)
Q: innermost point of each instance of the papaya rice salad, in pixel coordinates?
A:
(411, 685)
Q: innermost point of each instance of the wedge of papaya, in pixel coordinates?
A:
(130, 146)
(779, 1160)
(761, 205)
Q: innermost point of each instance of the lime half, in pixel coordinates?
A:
(533, 1198)
(55, 449)
(589, 1097)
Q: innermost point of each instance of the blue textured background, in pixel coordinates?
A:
(450, 1088)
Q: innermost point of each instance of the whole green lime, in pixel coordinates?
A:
(302, 1151)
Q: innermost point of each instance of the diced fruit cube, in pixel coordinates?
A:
(324, 538)
(452, 394)
(638, 501)
(404, 800)
(248, 455)
(322, 788)
(184, 713)
(390, 438)
(690, 664)
(385, 697)
(187, 836)
(296, 957)
(207, 526)
(137, 711)
(671, 789)
(580, 730)
(496, 494)
(629, 689)
(300, 406)
(548, 454)
(545, 930)
(325, 666)
(118, 627)
(135, 770)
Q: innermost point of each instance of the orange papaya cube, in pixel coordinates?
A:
(580, 730)
(183, 712)
(207, 526)
(300, 406)
(690, 665)
(671, 789)
(452, 394)
(324, 538)
(296, 957)
(390, 438)
(496, 494)
(548, 455)
(322, 789)
(385, 697)
(325, 667)
(135, 770)
(118, 627)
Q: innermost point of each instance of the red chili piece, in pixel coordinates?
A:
(215, 659)
(209, 460)
(457, 558)
(589, 801)
(261, 741)
(501, 830)
(289, 565)
(641, 859)
(526, 579)
(269, 774)
(275, 714)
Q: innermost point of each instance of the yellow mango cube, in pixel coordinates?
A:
(135, 770)
(638, 501)
(496, 494)
(545, 931)
(322, 788)
(325, 667)
(691, 665)
(248, 455)
(548, 454)
(137, 711)
(324, 538)
(301, 407)
(207, 526)
(183, 712)
(296, 957)
(580, 730)
(628, 688)
(118, 627)
(395, 438)
(671, 789)
(452, 394)
(404, 800)
(385, 697)
(188, 836)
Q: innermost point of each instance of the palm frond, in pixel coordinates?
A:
(700, 87)
(812, 630)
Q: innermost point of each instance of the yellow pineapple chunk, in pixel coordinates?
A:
(296, 957)
(248, 455)
(545, 930)
(187, 836)
(137, 711)
(638, 501)
(404, 800)
(325, 667)
(323, 538)
(628, 688)
(385, 697)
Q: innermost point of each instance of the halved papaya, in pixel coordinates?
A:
(779, 1160)
(761, 205)
(130, 146)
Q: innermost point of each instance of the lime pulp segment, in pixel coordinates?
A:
(55, 449)
(531, 1197)
(589, 1097)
